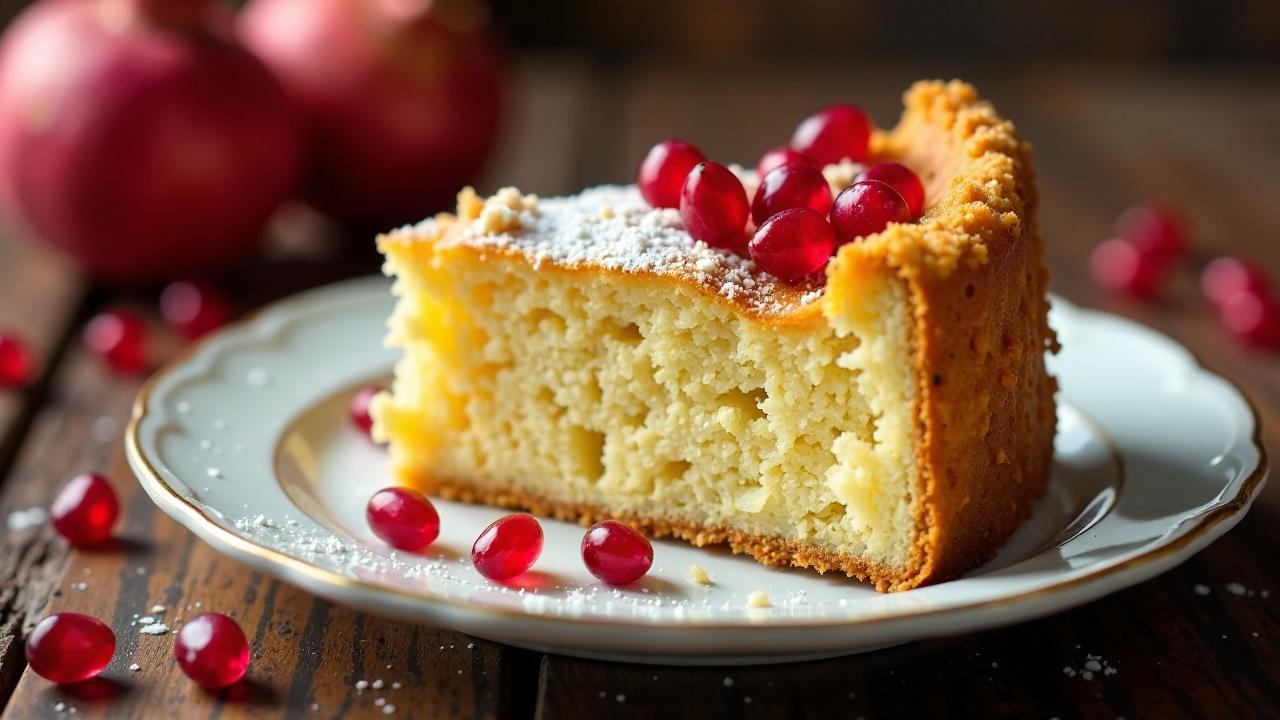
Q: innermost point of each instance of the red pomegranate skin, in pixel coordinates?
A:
(146, 152)
(403, 99)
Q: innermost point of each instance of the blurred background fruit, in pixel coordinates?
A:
(402, 98)
(140, 137)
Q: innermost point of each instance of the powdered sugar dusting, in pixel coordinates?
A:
(453, 577)
(20, 520)
(613, 228)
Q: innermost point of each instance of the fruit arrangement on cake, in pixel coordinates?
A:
(833, 361)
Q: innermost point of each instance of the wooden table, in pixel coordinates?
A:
(1208, 142)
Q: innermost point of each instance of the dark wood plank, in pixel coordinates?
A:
(39, 294)
(308, 655)
(1103, 141)
(78, 430)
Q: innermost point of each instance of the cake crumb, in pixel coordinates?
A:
(758, 599)
(501, 213)
(155, 628)
(135, 667)
(1201, 589)
(1093, 664)
(699, 575)
(1236, 588)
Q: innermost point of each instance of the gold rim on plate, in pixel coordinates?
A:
(178, 505)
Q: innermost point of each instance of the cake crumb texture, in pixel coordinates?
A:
(584, 358)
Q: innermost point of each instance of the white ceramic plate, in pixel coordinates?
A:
(245, 441)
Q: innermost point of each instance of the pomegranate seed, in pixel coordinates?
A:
(358, 409)
(1153, 231)
(865, 208)
(1254, 317)
(833, 134)
(194, 307)
(663, 172)
(15, 361)
(714, 208)
(508, 547)
(795, 185)
(1227, 276)
(69, 647)
(1119, 266)
(85, 510)
(211, 650)
(793, 243)
(779, 156)
(403, 518)
(120, 337)
(900, 178)
(616, 553)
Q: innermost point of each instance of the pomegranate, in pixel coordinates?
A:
(508, 547)
(358, 408)
(212, 650)
(793, 185)
(713, 206)
(403, 98)
(616, 552)
(138, 138)
(1122, 267)
(793, 243)
(69, 647)
(900, 178)
(405, 519)
(776, 157)
(865, 208)
(835, 133)
(664, 170)
(1226, 276)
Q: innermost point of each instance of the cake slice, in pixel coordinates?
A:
(583, 357)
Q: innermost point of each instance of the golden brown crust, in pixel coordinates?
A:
(768, 550)
(975, 277)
